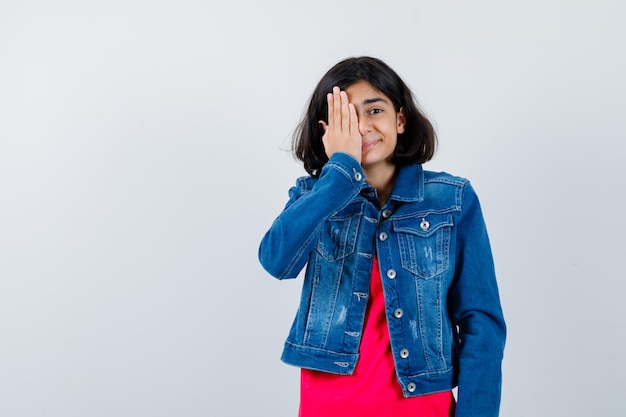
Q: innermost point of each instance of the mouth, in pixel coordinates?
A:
(369, 144)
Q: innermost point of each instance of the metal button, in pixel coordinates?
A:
(391, 274)
(358, 176)
(411, 387)
(424, 225)
(404, 353)
(386, 213)
(383, 236)
(398, 313)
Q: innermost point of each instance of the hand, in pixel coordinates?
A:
(341, 134)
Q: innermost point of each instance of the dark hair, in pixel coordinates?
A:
(417, 143)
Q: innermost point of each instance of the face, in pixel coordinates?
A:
(379, 125)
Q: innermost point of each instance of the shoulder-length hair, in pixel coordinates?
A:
(416, 145)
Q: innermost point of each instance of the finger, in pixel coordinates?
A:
(331, 115)
(345, 113)
(336, 109)
(354, 120)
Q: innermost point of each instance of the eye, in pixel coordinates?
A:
(375, 111)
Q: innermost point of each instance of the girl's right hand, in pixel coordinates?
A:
(341, 134)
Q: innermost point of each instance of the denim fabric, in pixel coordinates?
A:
(443, 310)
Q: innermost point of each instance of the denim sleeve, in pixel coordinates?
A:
(285, 248)
(476, 310)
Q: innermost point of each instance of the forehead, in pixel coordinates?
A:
(362, 92)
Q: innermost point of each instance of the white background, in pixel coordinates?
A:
(144, 152)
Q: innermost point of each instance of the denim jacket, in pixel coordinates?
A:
(442, 305)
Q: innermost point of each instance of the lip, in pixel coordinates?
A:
(369, 144)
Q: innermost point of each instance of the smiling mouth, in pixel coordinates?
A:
(369, 145)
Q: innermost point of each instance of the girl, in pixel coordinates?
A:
(400, 302)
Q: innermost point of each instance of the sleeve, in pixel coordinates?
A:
(477, 312)
(284, 249)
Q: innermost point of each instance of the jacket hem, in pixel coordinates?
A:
(344, 364)
(319, 359)
(428, 383)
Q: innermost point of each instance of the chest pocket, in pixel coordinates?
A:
(338, 236)
(424, 244)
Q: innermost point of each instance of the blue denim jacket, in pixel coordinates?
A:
(443, 310)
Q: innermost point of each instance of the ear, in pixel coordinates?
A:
(322, 125)
(401, 121)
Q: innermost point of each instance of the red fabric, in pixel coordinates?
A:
(372, 390)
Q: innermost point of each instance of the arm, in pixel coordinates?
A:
(285, 248)
(476, 309)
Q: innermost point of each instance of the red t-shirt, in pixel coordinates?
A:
(372, 390)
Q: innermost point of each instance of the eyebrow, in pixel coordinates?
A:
(374, 100)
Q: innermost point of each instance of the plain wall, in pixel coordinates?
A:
(144, 153)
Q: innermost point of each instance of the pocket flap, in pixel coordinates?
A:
(423, 226)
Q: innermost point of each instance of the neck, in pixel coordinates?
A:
(383, 179)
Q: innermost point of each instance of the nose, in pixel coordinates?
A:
(364, 125)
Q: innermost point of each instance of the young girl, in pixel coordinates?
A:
(400, 302)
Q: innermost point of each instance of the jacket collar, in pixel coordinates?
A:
(409, 184)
